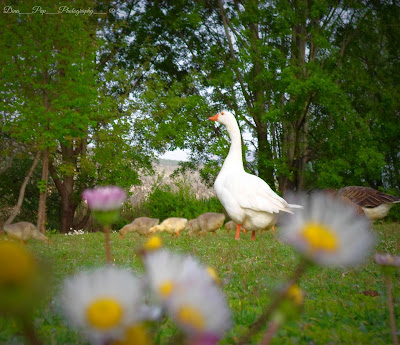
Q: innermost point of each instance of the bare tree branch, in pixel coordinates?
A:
(17, 207)
(232, 53)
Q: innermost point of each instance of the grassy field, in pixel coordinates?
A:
(338, 307)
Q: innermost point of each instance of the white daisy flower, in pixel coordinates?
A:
(103, 302)
(201, 312)
(328, 232)
(167, 272)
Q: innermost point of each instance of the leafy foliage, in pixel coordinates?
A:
(10, 183)
(165, 202)
(300, 77)
(314, 86)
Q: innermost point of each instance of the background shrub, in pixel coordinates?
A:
(165, 201)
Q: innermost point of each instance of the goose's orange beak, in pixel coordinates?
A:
(214, 118)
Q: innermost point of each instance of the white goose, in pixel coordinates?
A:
(249, 201)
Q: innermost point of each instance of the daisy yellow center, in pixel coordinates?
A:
(320, 237)
(166, 288)
(153, 243)
(295, 294)
(211, 271)
(135, 335)
(104, 313)
(190, 316)
(16, 263)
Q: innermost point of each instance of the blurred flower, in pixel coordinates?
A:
(17, 265)
(104, 198)
(105, 202)
(201, 312)
(167, 272)
(189, 294)
(328, 232)
(134, 335)
(295, 294)
(387, 260)
(22, 280)
(103, 303)
(153, 243)
(389, 263)
(213, 274)
(291, 306)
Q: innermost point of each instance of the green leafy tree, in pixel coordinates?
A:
(55, 101)
(281, 66)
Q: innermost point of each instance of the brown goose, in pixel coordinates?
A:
(374, 203)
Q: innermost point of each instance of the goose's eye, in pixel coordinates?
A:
(222, 113)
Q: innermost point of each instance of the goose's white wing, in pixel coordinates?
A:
(251, 192)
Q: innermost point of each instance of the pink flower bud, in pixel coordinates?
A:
(104, 198)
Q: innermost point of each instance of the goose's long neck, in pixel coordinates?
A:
(234, 158)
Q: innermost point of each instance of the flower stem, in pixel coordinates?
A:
(107, 230)
(29, 332)
(279, 297)
(273, 327)
(389, 285)
(178, 338)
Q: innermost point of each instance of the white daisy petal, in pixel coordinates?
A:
(189, 293)
(328, 232)
(103, 302)
(201, 310)
(167, 271)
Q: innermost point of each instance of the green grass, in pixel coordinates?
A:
(336, 310)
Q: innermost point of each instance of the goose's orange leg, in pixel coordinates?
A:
(273, 229)
(244, 230)
(253, 235)
(237, 236)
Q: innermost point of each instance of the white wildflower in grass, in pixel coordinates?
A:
(103, 302)
(328, 232)
(167, 272)
(201, 312)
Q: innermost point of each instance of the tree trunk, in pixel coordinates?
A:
(66, 189)
(17, 207)
(295, 131)
(67, 213)
(264, 155)
(68, 207)
(41, 222)
(80, 224)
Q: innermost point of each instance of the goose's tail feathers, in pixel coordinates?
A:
(295, 206)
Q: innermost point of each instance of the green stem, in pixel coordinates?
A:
(107, 243)
(273, 327)
(178, 338)
(29, 331)
(279, 297)
(389, 286)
